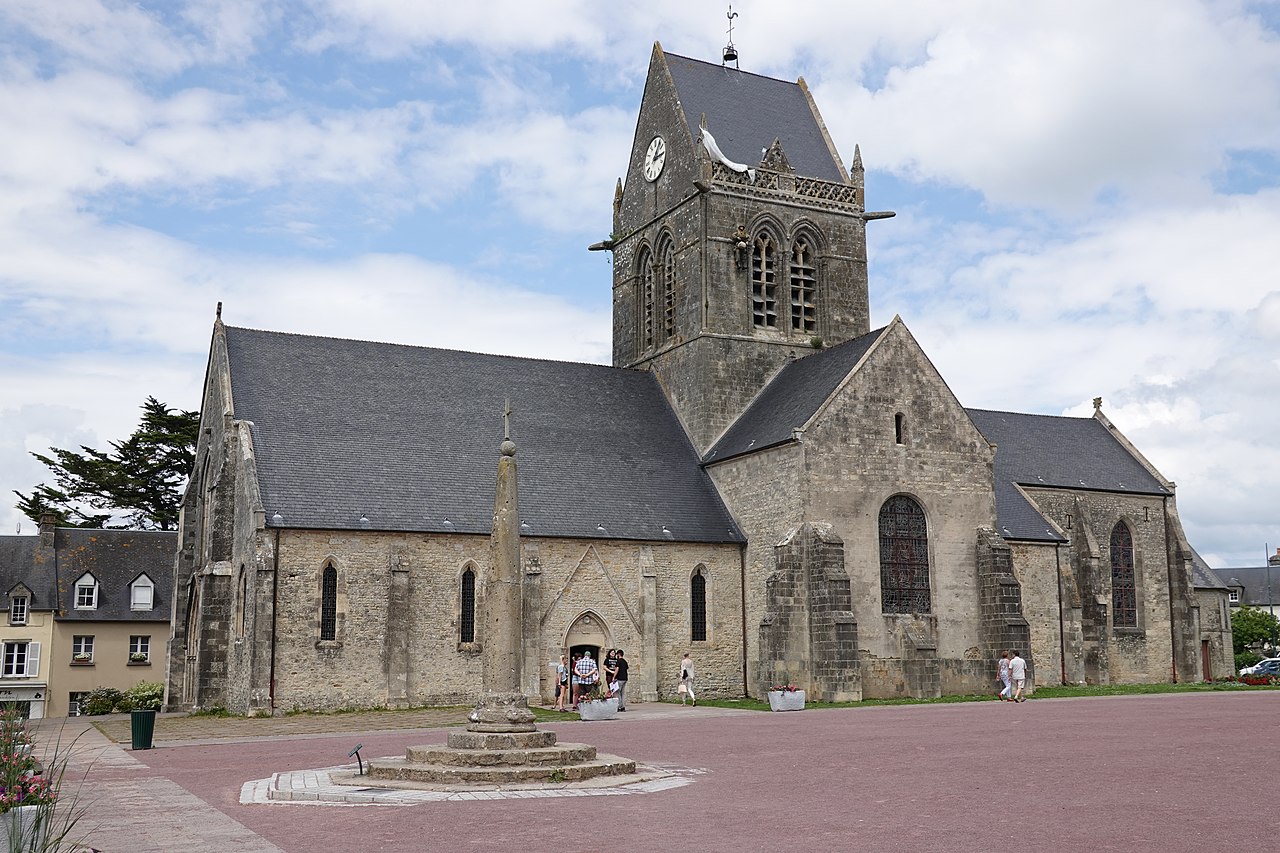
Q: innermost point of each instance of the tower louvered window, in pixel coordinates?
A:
(668, 261)
(698, 605)
(1124, 593)
(329, 604)
(467, 618)
(904, 557)
(764, 284)
(646, 300)
(804, 287)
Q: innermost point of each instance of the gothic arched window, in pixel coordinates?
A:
(329, 604)
(764, 284)
(667, 263)
(904, 557)
(645, 272)
(698, 605)
(1124, 593)
(804, 286)
(467, 616)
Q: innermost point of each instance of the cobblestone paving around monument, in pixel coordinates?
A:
(316, 787)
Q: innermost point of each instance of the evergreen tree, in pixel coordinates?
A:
(137, 484)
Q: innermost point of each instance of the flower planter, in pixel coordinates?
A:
(599, 709)
(24, 828)
(786, 700)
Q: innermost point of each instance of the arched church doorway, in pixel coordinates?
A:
(588, 633)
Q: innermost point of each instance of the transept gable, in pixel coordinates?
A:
(896, 382)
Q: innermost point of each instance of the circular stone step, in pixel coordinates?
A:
(400, 769)
(568, 753)
(488, 740)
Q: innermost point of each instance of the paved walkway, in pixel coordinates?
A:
(1131, 773)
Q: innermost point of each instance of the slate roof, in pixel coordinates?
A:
(790, 399)
(746, 112)
(18, 566)
(1252, 581)
(409, 437)
(1203, 577)
(116, 558)
(1047, 450)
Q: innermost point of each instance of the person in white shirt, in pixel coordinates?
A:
(1018, 673)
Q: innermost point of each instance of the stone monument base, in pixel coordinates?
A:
(501, 745)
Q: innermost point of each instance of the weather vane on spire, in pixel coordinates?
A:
(731, 52)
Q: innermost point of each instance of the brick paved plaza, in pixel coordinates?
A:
(1064, 774)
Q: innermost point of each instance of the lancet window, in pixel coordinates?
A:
(667, 263)
(1124, 592)
(329, 604)
(804, 286)
(764, 284)
(467, 616)
(646, 273)
(698, 605)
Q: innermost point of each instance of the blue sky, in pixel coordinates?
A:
(1088, 198)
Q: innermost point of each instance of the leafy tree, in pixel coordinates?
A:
(1252, 625)
(138, 482)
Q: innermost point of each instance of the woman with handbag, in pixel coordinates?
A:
(686, 680)
(562, 682)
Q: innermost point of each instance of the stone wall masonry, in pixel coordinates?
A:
(764, 513)
(842, 471)
(854, 464)
(808, 635)
(1036, 567)
(1215, 629)
(603, 577)
(1004, 621)
(1116, 655)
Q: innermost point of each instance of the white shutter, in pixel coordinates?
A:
(33, 659)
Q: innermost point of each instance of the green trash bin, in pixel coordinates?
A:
(143, 724)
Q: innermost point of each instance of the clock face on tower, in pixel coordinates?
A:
(654, 158)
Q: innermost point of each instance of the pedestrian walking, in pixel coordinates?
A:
(1018, 673)
(1002, 675)
(687, 675)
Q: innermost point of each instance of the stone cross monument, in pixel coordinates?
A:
(502, 707)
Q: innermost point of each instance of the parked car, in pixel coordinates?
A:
(1269, 666)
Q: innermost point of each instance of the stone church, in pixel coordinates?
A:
(761, 479)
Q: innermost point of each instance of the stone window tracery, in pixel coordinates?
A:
(698, 605)
(329, 604)
(1124, 592)
(764, 284)
(904, 557)
(467, 617)
(804, 286)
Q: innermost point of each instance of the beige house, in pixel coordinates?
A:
(86, 609)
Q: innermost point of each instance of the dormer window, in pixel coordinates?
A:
(142, 593)
(1234, 596)
(18, 607)
(87, 592)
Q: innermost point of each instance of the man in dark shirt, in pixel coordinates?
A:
(621, 663)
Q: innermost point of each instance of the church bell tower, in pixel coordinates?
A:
(739, 238)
